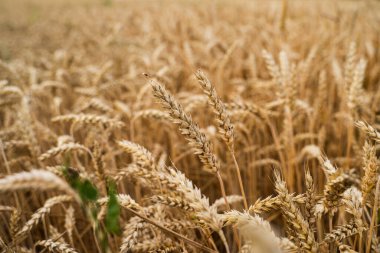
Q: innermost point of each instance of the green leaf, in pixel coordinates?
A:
(113, 211)
(87, 190)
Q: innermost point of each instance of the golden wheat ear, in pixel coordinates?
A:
(40, 214)
(370, 166)
(255, 231)
(55, 246)
(369, 130)
(298, 227)
(226, 128)
(141, 155)
(36, 180)
(191, 131)
(67, 147)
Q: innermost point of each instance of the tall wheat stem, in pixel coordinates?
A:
(224, 240)
(223, 189)
(374, 218)
(240, 180)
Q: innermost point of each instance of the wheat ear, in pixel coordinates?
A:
(152, 114)
(370, 165)
(342, 232)
(54, 246)
(310, 200)
(225, 126)
(272, 203)
(89, 119)
(254, 230)
(35, 179)
(369, 130)
(293, 215)
(140, 154)
(62, 149)
(124, 200)
(41, 213)
(190, 130)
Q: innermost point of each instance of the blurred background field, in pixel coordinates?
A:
(295, 77)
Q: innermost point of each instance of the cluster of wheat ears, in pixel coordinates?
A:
(192, 127)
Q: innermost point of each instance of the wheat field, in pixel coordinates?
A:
(189, 126)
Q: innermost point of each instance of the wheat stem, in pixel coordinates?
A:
(374, 214)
